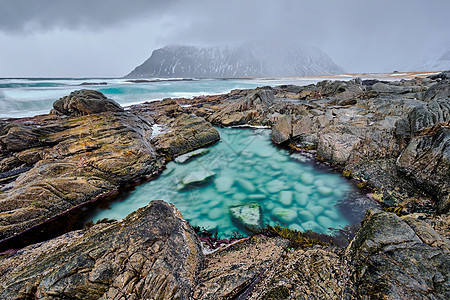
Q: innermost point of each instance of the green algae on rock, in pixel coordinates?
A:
(247, 216)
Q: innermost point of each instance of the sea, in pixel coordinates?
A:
(26, 97)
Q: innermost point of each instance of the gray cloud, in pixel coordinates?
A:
(361, 36)
(29, 16)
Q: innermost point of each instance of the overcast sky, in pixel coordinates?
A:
(108, 38)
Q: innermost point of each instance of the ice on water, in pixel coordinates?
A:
(244, 168)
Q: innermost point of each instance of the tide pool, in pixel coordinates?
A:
(246, 174)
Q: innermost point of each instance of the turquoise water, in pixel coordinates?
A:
(25, 97)
(246, 168)
(29, 97)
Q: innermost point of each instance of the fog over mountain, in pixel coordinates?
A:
(246, 60)
(437, 60)
(111, 37)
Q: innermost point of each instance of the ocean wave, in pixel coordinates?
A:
(16, 85)
(27, 97)
(14, 108)
(155, 80)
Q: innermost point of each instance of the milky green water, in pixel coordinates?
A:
(245, 167)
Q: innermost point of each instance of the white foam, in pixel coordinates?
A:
(157, 130)
(251, 126)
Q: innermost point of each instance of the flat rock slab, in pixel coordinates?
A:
(230, 269)
(197, 177)
(247, 216)
(185, 133)
(151, 254)
(184, 158)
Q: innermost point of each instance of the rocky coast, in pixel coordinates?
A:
(392, 137)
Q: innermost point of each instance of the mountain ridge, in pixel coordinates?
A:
(248, 60)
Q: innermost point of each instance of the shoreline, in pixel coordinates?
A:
(371, 130)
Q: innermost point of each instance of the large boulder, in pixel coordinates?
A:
(424, 117)
(151, 254)
(251, 106)
(440, 90)
(186, 133)
(282, 130)
(399, 258)
(426, 160)
(85, 102)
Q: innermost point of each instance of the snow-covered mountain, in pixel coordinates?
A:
(438, 60)
(249, 60)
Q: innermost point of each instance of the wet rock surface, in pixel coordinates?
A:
(186, 133)
(85, 102)
(151, 254)
(400, 259)
(86, 157)
(392, 136)
(51, 165)
(369, 128)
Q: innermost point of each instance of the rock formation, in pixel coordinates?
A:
(85, 102)
(391, 136)
(379, 132)
(151, 254)
(59, 163)
(154, 253)
(400, 258)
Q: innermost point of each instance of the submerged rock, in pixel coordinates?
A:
(224, 182)
(286, 197)
(190, 155)
(284, 214)
(85, 102)
(246, 185)
(151, 254)
(197, 177)
(247, 216)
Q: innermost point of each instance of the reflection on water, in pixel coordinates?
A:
(247, 174)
